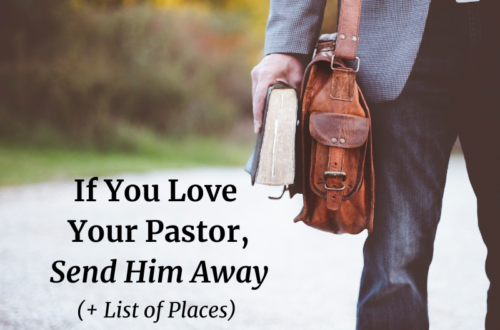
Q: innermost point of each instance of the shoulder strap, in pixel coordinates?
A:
(348, 32)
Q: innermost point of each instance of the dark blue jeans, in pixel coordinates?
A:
(453, 90)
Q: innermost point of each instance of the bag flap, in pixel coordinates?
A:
(339, 130)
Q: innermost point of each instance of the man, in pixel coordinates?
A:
(430, 72)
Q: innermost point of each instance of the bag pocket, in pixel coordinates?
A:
(338, 148)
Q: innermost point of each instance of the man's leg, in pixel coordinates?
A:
(480, 138)
(412, 145)
(479, 131)
(413, 136)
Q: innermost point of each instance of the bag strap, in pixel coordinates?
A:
(334, 178)
(348, 31)
(346, 47)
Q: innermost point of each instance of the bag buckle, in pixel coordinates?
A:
(335, 174)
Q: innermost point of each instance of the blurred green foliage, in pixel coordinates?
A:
(99, 78)
(26, 164)
(105, 74)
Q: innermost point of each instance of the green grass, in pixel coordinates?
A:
(22, 164)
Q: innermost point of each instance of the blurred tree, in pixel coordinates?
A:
(28, 27)
(106, 3)
(91, 76)
(254, 12)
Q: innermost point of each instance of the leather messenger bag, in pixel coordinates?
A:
(335, 169)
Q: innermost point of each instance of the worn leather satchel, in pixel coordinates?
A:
(335, 171)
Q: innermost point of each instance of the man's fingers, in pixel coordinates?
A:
(295, 81)
(272, 69)
(255, 79)
(295, 76)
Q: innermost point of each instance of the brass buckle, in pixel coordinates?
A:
(335, 174)
(333, 58)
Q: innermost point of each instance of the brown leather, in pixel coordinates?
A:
(343, 82)
(348, 32)
(320, 161)
(324, 118)
(352, 130)
(335, 164)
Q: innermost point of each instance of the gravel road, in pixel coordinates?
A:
(313, 276)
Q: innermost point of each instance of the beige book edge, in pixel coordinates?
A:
(277, 155)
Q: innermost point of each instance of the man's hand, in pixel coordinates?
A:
(273, 68)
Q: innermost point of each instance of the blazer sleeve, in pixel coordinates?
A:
(293, 26)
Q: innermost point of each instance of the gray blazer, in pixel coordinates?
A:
(389, 38)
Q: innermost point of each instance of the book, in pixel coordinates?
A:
(273, 159)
